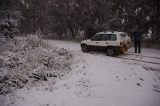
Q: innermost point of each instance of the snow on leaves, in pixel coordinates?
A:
(30, 61)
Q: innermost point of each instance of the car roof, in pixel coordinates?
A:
(110, 32)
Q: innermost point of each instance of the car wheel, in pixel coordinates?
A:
(110, 51)
(85, 48)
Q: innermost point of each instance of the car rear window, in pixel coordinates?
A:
(123, 35)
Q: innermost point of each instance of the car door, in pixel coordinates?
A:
(94, 44)
(105, 40)
(113, 40)
(108, 40)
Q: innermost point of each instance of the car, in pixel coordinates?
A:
(113, 43)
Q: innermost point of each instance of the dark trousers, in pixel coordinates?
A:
(137, 44)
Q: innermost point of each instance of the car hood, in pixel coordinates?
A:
(84, 41)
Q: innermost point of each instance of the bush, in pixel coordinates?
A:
(35, 41)
(28, 62)
(8, 27)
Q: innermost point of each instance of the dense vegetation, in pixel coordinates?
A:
(73, 18)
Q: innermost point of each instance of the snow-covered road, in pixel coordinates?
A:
(149, 58)
(97, 80)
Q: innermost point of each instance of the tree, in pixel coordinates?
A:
(70, 17)
(9, 17)
(35, 14)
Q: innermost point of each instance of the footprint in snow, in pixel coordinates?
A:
(138, 84)
(156, 86)
(141, 79)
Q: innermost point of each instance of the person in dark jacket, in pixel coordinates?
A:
(137, 36)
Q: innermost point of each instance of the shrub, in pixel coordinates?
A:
(28, 62)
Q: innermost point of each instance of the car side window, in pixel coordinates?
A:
(96, 37)
(113, 37)
(109, 37)
(105, 37)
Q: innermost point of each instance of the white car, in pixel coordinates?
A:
(111, 42)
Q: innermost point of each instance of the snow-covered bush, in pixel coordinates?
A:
(35, 41)
(28, 62)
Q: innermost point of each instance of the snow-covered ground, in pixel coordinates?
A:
(97, 80)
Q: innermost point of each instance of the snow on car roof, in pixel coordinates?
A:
(110, 32)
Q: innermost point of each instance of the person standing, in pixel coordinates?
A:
(137, 36)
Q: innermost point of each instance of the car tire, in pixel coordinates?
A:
(110, 51)
(85, 48)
